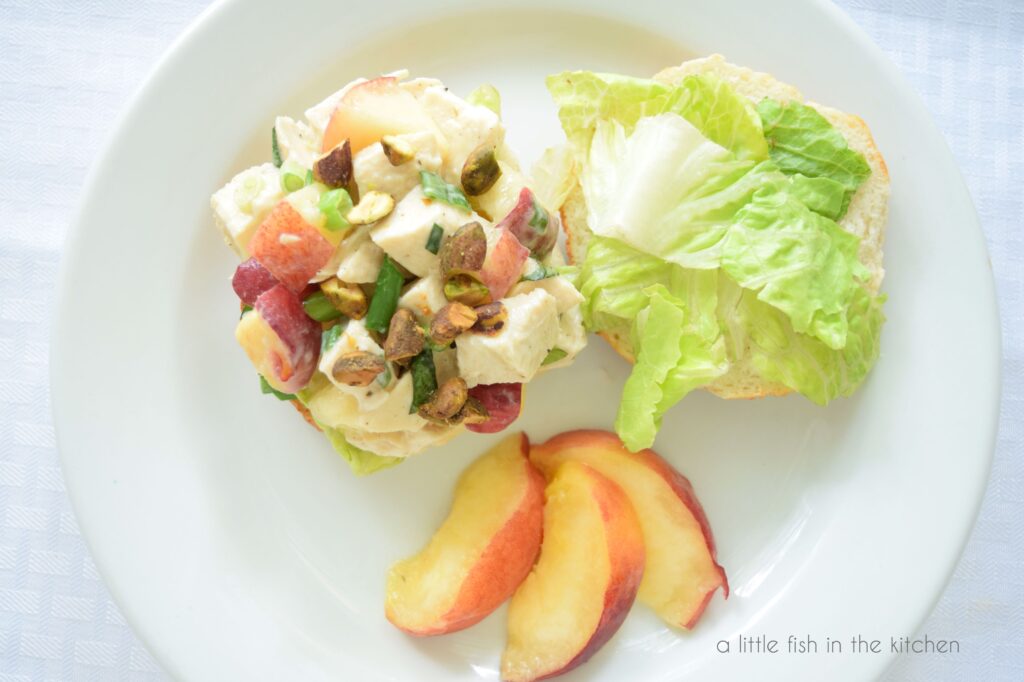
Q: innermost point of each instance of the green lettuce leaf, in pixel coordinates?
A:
(360, 461)
(802, 362)
(666, 189)
(824, 196)
(796, 260)
(584, 98)
(800, 140)
(680, 349)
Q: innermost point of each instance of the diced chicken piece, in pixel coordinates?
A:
(296, 141)
(320, 115)
(465, 126)
(360, 258)
(341, 410)
(515, 353)
(402, 443)
(241, 205)
(403, 234)
(417, 86)
(425, 296)
(373, 170)
(356, 338)
(565, 294)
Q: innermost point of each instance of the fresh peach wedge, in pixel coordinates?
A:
(281, 340)
(682, 572)
(481, 552)
(373, 109)
(585, 581)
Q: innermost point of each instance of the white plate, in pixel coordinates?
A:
(239, 545)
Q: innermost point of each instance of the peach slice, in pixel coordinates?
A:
(585, 581)
(481, 552)
(373, 109)
(291, 249)
(280, 339)
(682, 572)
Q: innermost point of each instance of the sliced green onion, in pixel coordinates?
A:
(539, 273)
(320, 308)
(424, 379)
(434, 187)
(293, 176)
(267, 389)
(384, 378)
(486, 95)
(434, 240)
(335, 205)
(309, 179)
(329, 337)
(385, 297)
(245, 308)
(554, 355)
(275, 150)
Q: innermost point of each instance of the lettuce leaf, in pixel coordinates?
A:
(666, 189)
(796, 260)
(360, 461)
(680, 349)
(824, 196)
(584, 98)
(800, 140)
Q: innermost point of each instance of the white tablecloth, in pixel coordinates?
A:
(67, 68)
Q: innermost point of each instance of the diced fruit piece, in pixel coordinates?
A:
(371, 110)
(250, 280)
(504, 264)
(280, 339)
(682, 572)
(503, 403)
(584, 583)
(481, 552)
(289, 247)
(531, 224)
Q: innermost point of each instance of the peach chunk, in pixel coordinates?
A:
(371, 110)
(280, 339)
(292, 250)
(585, 581)
(682, 572)
(481, 552)
(503, 264)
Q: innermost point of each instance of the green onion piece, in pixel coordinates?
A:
(267, 389)
(275, 151)
(537, 274)
(434, 187)
(335, 205)
(330, 337)
(554, 355)
(245, 308)
(320, 308)
(424, 380)
(385, 297)
(434, 240)
(309, 180)
(384, 378)
(293, 176)
(486, 95)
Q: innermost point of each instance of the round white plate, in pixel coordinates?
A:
(240, 546)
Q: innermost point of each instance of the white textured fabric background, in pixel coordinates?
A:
(67, 68)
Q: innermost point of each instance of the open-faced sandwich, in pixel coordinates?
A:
(400, 279)
(728, 235)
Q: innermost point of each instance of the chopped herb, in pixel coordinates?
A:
(335, 205)
(275, 151)
(424, 379)
(245, 308)
(309, 177)
(434, 240)
(330, 337)
(385, 297)
(267, 389)
(320, 308)
(539, 273)
(554, 355)
(434, 187)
